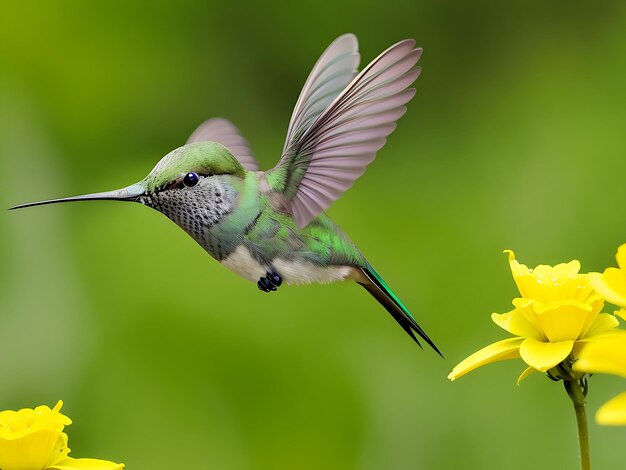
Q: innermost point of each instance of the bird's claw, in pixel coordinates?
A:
(270, 282)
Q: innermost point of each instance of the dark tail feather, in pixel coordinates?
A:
(381, 292)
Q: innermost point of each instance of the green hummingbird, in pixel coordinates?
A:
(269, 226)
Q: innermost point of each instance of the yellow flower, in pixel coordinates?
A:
(558, 311)
(34, 440)
(611, 284)
(606, 355)
(550, 283)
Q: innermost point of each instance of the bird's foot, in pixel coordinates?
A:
(270, 282)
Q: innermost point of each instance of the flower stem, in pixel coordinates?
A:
(576, 389)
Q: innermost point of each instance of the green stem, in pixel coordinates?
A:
(575, 391)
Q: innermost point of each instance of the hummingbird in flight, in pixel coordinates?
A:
(269, 226)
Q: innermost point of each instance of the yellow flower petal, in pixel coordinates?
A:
(597, 304)
(620, 257)
(526, 373)
(611, 285)
(500, 351)
(86, 464)
(15, 424)
(550, 283)
(603, 354)
(516, 323)
(603, 323)
(562, 321)
(543, 356)
(32, 451)
(520, 273)
(613, 412)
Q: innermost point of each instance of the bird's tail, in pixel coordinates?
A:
(376, 286)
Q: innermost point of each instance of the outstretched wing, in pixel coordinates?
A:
(332, 72)
(224, 132)
(320, 163)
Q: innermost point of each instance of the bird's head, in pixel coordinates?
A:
(183, 168)
(188, 165)
(194, 185)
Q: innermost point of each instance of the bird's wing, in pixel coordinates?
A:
(322, 161)
(332, 72)
(224, 132)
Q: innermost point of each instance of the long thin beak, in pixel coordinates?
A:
(130, 193)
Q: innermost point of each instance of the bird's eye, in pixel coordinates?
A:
(191, 179)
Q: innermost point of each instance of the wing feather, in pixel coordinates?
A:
(333, 71)
(325, 159)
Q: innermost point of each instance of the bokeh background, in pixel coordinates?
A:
(516, 139)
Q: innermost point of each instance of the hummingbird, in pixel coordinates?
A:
(270, 226)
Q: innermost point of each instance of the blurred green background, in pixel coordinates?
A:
(516, 139)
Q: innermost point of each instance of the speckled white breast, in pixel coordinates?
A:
(241, 262)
